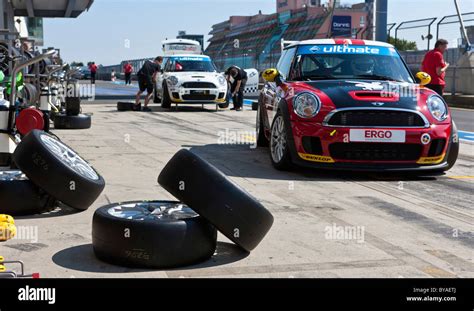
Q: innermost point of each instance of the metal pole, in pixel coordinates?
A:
(381, 20)
(461, 21)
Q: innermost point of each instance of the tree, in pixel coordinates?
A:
(77, 64)
(402, 44)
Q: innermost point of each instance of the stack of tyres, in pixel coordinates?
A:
(72, 117)
(164, 234)
(48, 171)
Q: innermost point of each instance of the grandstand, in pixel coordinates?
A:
(255, 41)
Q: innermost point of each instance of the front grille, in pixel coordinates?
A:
(437, 147)
(199, 85)
(312, 145)
(375, 151)
(199, 97)
(379, 118)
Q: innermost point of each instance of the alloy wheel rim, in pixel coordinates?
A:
(278, 140)
(153, 210)
(69, 157)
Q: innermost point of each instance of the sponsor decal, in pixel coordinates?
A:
(425, 139)
(191, 59)
(377, 136)
(316, 158)
(346, 49)
(431, 160)
(378, 104)
(373, 86)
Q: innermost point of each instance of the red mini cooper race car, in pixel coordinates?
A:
(353, 104)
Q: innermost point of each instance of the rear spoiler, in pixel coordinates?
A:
(285, 43)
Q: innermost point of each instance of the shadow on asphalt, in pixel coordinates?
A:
(247, 162)
(181, 109)
(82, 258)
(60, 211)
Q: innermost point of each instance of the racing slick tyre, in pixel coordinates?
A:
(224, 105)
(58, 170)
(152, 234)
(205, 189)
(453, 148)
(262, 140)
(128, 106)
(279, 149)
(255, 105)
(20, 197)
(65, 122)
(166, 102)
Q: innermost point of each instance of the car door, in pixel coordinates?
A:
(272, 91)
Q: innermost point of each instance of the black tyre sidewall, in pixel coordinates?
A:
(22, 198)
(234, 212)
(44, 169)
(152, 244)
(166, 102)
(79, 122)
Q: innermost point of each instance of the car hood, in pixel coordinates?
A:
(341, 93)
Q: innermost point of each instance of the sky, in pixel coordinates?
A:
(115, 30)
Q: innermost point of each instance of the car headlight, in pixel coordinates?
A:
(306, 105)
(173, 80)
(221, 80)
(437, 107)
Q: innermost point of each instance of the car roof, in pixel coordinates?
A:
(188, 55)
(339, 41)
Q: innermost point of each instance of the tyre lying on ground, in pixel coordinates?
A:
(66, 122)
(128, 106)
(58, 170)
(152, 234)
(205, 189)
(20, 197)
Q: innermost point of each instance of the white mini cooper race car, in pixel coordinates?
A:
(191, 79)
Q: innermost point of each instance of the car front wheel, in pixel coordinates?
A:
(279, 150)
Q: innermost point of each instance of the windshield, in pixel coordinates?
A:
(183, 64)
(315, 62)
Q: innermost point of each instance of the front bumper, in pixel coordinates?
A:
(331, 148)
(198, 95)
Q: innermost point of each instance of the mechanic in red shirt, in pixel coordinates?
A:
(434, 65)
(127, 70)
(93, 69)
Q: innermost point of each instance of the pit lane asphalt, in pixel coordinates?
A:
(408, 227)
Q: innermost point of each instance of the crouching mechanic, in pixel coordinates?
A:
(238, 86)
(147, 79)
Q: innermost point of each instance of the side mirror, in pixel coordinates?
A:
(423, 78)
(271, 75)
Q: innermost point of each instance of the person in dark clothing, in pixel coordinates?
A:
(93, 69)
(238, 86)
(147, 79)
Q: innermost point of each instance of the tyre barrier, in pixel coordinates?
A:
(152, 234)
(167, 234)
(58, 170)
